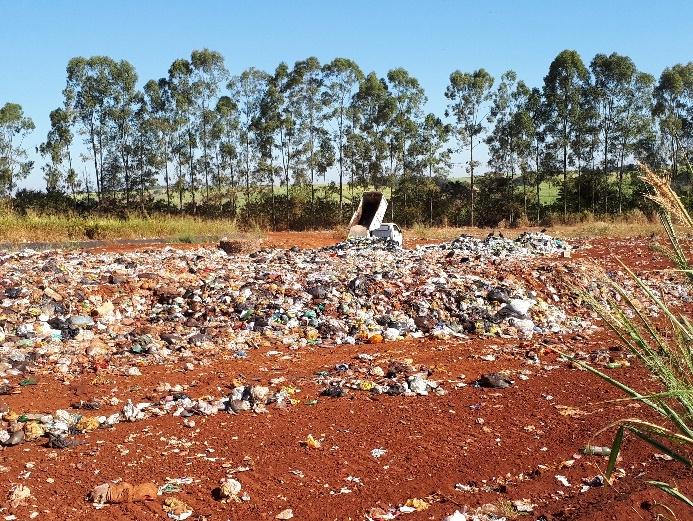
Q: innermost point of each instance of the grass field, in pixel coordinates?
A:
(60, 228)
(16, 229)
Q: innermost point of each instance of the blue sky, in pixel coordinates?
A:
(430, 38)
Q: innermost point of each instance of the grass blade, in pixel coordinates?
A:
(672, 491)
(615, 449)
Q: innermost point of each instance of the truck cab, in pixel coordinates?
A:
(367, 220)
(389, 231)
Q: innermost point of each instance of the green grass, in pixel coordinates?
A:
(15, 229)
(65, 228)
(665, 351)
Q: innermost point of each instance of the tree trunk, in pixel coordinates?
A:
(565, 181)
(217, 159)
(471, 168)
(430, 199)
(96, 165)
(99, 173)
(512, 189)
(579, 189)
(524, 190)
(247, 166)
(192, 171)
(312, 179)
(274, 217)
(404, 182)
(606, 160)
(142, 209)
(181, 184)
(537, 179)
(620, 183)
(126, 169)
(392, 186)
(341, 164)
(234, 191)
(206, 159)
(168, 189)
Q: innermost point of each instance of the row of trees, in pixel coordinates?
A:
(202, 140)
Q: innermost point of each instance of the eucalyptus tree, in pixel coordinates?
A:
(563, 89)
(342, 79)
(304, 94)
(120, 111)
(182, 93)
(208, 73)
(88, 93)
(532, 122)
(217, 133)
(265, 126)
(635, 127)
(524, 133)
(436, 156)
(247, 91)
(146, 152)
(375, 107)
(468, 94)
(584, 143)
(227, 130)
(56, 148)
(279, 109)
(612, 76)
(674, 109)
(14, 162)
(277, 129)
(508, 100)
(409, 99)
(157, 97)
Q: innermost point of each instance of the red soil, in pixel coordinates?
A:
(514, 440)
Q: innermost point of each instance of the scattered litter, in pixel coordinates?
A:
(311, 442)
(177, 509)
(523, 506)
(285, 514)
(414, 505)
(19, 495)
(495, 381)
(122, 492)
(563, 480)
(377, 453)
(229, 490)
(593, 450)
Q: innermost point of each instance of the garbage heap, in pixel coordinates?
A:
(69, 311)
(527, 244)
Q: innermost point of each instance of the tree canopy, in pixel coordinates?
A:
(257, 143)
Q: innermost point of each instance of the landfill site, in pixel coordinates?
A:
(303, 377)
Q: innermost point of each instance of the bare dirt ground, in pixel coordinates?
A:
(502, 444)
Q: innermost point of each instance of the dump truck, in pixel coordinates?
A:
(368, 217)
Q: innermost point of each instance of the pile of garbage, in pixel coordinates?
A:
(396, 378)
(355, 244)
(69, 311)
(528, 244)
(59, 427)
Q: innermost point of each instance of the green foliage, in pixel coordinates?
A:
(208, 143)
(668, 355)
(14, 126)
(468, 93)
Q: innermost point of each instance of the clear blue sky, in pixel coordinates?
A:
(430, 38)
